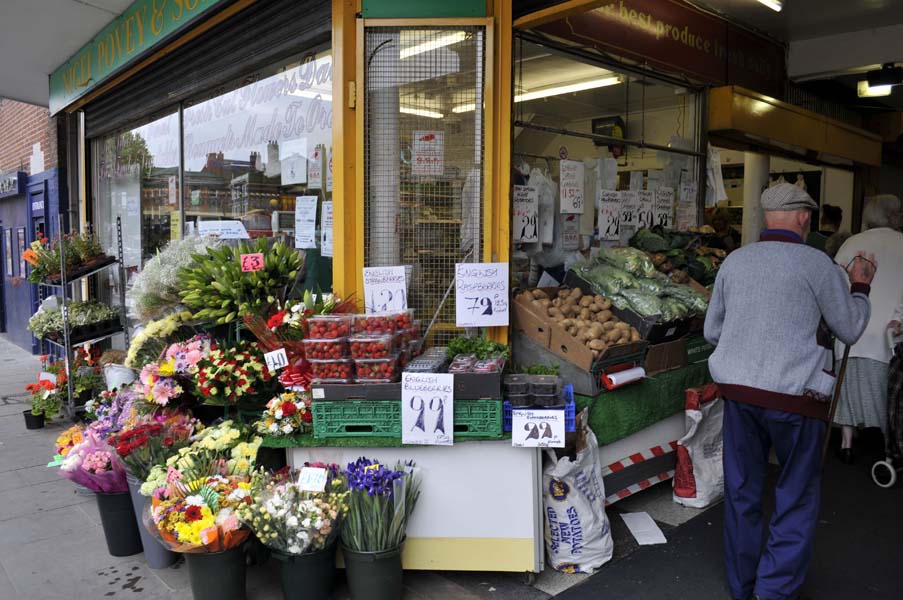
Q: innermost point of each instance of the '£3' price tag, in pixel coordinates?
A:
(251, 262)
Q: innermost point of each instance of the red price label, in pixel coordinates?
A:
(251, 262)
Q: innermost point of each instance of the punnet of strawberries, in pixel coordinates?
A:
(388, 322)
(338, 370)
(378, 369)
(330, 327)
(326, 349)
(371, 346)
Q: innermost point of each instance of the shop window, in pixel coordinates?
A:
(423, 158)
(249, 153)
(136, 179)
(20, 233)
(8, 251)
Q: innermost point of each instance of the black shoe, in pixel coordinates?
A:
(845, 455)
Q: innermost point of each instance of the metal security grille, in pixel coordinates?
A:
(423, 159)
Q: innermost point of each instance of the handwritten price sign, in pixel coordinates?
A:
(385, 289)
(312, 479)
(428, 153)
(647, 208)
(251, 262)
(427, 408)
(609, 223)
(526, 214)
(481, 294)
(571, 187)
(276, 360)
(537, 428)
(664, 207)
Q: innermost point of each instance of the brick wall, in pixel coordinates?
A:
(21, 126)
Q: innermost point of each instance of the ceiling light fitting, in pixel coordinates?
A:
(420, 112)
(433, 44)
(553, 91)
(775, 5)
(864, 90)
(888, 74)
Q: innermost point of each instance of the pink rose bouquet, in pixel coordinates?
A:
(93, 464)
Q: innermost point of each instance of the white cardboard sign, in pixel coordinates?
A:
(385, 289)
(326, 230)
(571, 186)
(312, 479)
(226, 230)
(647, 208)
(609, 223)
(526, 214)
(428, 154)
(664, 207)
(305, 222)
(570, 232)
(276, 360)
(537, 428)
(481, 294)
(636, 181)
(427, 408)
(315, 169)
(688, 192)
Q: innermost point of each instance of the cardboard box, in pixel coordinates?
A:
(530, 324)
(571, 349)
(698, 350)
(666, 356)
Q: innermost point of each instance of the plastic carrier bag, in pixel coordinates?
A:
(699, 477)
(577, 531)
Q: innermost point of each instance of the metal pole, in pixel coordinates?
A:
(835, 399)
(64, 309)
(123, 319)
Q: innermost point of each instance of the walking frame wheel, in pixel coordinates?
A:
(884, 474)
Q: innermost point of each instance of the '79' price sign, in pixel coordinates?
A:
(481, 294)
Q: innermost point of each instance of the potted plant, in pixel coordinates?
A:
(300, 528)
(93, 464)
(45, 403)
(140, 448)
(380, 503)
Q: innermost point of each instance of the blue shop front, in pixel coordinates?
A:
(29, 209)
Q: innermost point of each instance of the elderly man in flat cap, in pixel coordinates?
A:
(774, 307)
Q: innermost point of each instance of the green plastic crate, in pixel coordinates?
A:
(478, 418)
(357, 418)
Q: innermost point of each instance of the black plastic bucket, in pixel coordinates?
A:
(117, 515)
(374, 575)
(307, 576)
(217, 575)
(33, 421)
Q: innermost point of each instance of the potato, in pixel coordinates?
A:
(540, 295)
(563, 294)
(585, 314)
(596, 330)
(635, 336)
(536, 303)
(605, 303)
(545, 302)
(595, 308)
(599, 299)
(613, 336)
(603, 316)
(583, 336)
(608, 326)
(624, 339)
(576, 294)
(622, 326)
(586, 301)
(566, 323)
(555, 313)
(597, 345)
(572, 330)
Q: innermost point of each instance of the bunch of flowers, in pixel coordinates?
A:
(158, 385)
(93, 464)
(114, 411)
(149, 444)
(231, 374)
(149, 343)
(288, 413)
(46, 398)
(290, 520)
(381, 501)
(69, 439)
(198, 514)
(155, 290)
(228, 442)
(44, 257)
(183, 357)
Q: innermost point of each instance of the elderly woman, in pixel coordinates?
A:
(863, 395)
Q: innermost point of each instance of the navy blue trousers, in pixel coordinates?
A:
(777, 571)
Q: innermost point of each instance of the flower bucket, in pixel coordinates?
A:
(307, 576)
(117, 376)
(156, 555)
(117, 515)
(374, 575)
(217, 575)
(33, 421)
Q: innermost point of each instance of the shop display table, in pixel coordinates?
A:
(480, 506)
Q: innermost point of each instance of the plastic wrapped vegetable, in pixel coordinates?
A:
(673, 309)
(689, 297)
(652, 286)
(606, 280)
(631, 260)
(643, 303)
(646, 239)
(619, 301)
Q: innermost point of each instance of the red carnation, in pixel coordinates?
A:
(289, 408)
(167, 442)
(192, 513)
(307, 417)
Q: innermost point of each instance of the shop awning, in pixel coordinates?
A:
(746, 120)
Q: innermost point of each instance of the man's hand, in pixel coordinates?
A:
(862, 268)
(895, 327)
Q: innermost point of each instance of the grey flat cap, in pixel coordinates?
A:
(786, 196)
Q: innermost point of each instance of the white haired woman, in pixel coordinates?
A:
(863, 395)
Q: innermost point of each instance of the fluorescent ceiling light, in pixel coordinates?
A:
(420, 112)
(864, 90)
(433, 44)
(552, 91)
(775, 5)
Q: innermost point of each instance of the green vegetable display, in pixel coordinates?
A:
(606, 279)
(216, 289)
(689, 297)
(672, 309)
(643, 303)
(479, 346)
(631, 260)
